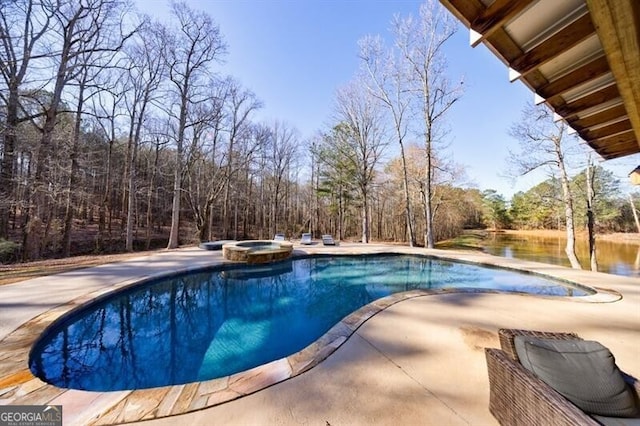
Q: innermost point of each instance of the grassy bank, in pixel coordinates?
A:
(473, 239)
(615, 237)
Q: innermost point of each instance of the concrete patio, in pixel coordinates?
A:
(417, 361)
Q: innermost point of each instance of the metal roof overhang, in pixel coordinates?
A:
(581, 57)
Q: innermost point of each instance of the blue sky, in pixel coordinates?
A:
(294, 54)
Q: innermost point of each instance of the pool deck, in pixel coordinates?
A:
(411, 359)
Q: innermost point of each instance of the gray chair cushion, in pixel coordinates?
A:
(582, 371)
(616, 421)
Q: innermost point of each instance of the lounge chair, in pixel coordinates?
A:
(518, 397)
(278, 237)
(327, 240)
(306, 239)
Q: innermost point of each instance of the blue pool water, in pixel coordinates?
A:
(217, 322)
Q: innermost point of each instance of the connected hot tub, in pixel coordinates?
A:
(257, 251)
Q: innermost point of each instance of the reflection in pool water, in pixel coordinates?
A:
(214, 323)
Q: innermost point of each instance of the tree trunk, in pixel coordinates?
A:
(428, 208)
(72, 182)
(235, 218)
(227, 190)
(315, 228)
(131, 200)
(365, 218)
(591, 216)
(136, 120)
(8, 161)
(313, 221)
(154, 171)
(106, 197)
(570, 249)
(37, 193)
(175, 207)
(262, 209)
(405, 185)
(635, 213)
(177, 183)
(340, 215)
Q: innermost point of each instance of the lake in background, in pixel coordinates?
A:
(619, 258)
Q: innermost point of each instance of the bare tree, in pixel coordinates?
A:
(590, 175)
(362, 141)
(280, 151)
(314, 184)
(240, 105)
(542, 145)
(82, 30)
(204, 172)
(106, 38)
(145, 74)
(160, 140)
(106, 109)
(92, 64)
(189, 53)
(82, 82)
(22, 25)
(421, 43)
(388, 81)
(445, 176)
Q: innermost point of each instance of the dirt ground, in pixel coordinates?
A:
(24, 271)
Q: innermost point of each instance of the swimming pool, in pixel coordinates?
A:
(216, 322)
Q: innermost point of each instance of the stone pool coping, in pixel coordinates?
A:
(19, 386)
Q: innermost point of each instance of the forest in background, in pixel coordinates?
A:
(122, 133)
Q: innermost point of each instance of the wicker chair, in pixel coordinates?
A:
(517, 397)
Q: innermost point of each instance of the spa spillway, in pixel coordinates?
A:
(257, 251)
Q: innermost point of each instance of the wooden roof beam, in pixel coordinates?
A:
(617, 23)
(604, 116)
(615, 146)
(586, 102)
(464, 10)
(499, 43)
(587, 72)
(560, 42)
(493, 17)
(609, 130)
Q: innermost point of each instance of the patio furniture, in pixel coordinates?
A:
(306, 239)
(278, 237)
(518, 397)
(327, 240)
(214, 245)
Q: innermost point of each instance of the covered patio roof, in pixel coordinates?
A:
(581, 57)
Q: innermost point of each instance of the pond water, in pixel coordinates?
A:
(616, 258)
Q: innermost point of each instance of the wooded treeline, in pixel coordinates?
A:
(119, 132)
(541, 206)
(117, 129)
